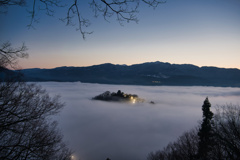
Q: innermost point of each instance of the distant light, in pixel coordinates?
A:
(134, 101)
(72, 157)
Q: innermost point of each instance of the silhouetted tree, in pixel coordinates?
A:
(206, 139)
(185, 148)
(26, 131)
(227, 131)
(9, 55)
(222, 140)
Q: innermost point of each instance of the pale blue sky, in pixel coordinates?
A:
(200, 32)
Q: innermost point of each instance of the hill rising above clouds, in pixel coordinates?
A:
(152, 73)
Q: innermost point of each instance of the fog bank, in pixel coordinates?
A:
(96, 130)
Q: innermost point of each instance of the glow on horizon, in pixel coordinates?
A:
(29, 65)
(202, 54)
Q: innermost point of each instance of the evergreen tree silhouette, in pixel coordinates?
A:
(205, 133)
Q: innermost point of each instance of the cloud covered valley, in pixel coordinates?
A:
(97, 129)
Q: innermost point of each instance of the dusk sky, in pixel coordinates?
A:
(199, 32)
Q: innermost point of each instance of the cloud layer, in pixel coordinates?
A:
(97, 129)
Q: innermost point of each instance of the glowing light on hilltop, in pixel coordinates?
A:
(133, 99)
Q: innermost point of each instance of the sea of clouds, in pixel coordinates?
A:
(96, 130)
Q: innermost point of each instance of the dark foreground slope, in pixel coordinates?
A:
(155, 73)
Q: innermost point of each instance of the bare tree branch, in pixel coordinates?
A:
(12, 2)
(10, 55)
(153, 3)
(185, 147)
(26, 131)
(124, 10)
(227, 130)
(73, 11)
(42, 5)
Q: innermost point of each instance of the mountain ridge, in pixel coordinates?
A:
(149, 73)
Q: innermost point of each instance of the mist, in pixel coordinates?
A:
(96, 130)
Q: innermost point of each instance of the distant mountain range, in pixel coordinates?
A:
(153, 73)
